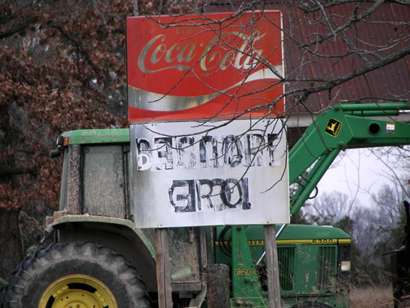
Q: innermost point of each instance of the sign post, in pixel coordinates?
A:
(204, 92)
(272, 267)
(163, 269)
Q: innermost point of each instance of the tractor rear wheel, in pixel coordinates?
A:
(76, 275)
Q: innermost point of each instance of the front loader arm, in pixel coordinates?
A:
(343, 126)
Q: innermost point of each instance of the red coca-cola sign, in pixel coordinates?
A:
(211, 66)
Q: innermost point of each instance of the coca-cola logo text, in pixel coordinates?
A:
(234, 50)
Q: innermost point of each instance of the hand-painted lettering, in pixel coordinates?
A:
(192, 152)
(205, 194)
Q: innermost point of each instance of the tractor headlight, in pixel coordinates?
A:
(345, 266)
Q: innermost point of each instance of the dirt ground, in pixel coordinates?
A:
(374, 297)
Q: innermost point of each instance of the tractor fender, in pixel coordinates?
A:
(120, 235)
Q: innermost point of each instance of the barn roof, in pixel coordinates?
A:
(362, 48)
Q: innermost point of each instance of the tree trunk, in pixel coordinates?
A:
(10, 242)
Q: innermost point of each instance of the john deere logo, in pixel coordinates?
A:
(333, 127)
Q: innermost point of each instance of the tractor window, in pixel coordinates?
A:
(64, 175)
(103, 180)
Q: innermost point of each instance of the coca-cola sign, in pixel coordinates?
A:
(211, 66)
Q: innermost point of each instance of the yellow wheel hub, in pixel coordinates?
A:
(77, 291)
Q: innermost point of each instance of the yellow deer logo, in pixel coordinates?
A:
(333, 127)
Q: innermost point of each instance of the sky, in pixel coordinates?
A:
(358, 173)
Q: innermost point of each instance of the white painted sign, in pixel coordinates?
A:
(219, 173)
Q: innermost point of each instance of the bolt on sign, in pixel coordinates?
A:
(210, 176)
(203, 93)
(210, 66)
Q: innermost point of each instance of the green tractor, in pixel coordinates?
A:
(94, 256)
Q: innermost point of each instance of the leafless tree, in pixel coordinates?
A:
(65, 71)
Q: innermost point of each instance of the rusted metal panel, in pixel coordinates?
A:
(184, 255)
(333, 59)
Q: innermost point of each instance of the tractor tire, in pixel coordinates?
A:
(75, 275)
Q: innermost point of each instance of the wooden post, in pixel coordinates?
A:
(272, 267)
(163, 268)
